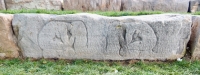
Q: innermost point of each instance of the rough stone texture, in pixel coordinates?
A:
(2, 5)
(92, 5)
(89, 36)
(194, 42)
(193, 6)
(156, 5)
(34, 4)
(8, 46)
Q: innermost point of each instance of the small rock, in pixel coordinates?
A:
(179, 59)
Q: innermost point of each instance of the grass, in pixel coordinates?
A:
(196, 13)
(89, 67)
(106, 13)
(126, 13)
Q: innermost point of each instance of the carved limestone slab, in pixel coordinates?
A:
(89, 36)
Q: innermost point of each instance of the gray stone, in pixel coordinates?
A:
(34, 4)
(92, 5)
(137, 5)
(89, 36)
(156, 5)
(2, 5)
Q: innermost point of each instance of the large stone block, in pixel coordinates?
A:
(8, 47)
(33, 4)
(194, 6)
(92, 5)
(2, 5)
(89, 36)
(156, 5)
(194, 42)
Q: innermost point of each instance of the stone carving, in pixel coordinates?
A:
(52, 38)
(88, 36)
(142, 38)
(132, 37)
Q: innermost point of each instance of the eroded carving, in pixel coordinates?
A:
(131, 37)
(62, 35)
(137, 37)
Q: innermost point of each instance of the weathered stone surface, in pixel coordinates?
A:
(194, 6)
(34, 4)
(194, 42)
(156, 5)
(8, 46)
(89, 36)
(92, 5)
(2, 5)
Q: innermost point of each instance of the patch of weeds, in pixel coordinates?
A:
(11, 62)
(78, 62)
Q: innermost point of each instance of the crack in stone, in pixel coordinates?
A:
(106, 42)
(122, 42)
(74, 43)
(38, 36)
(5, 4)
(69, 34)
